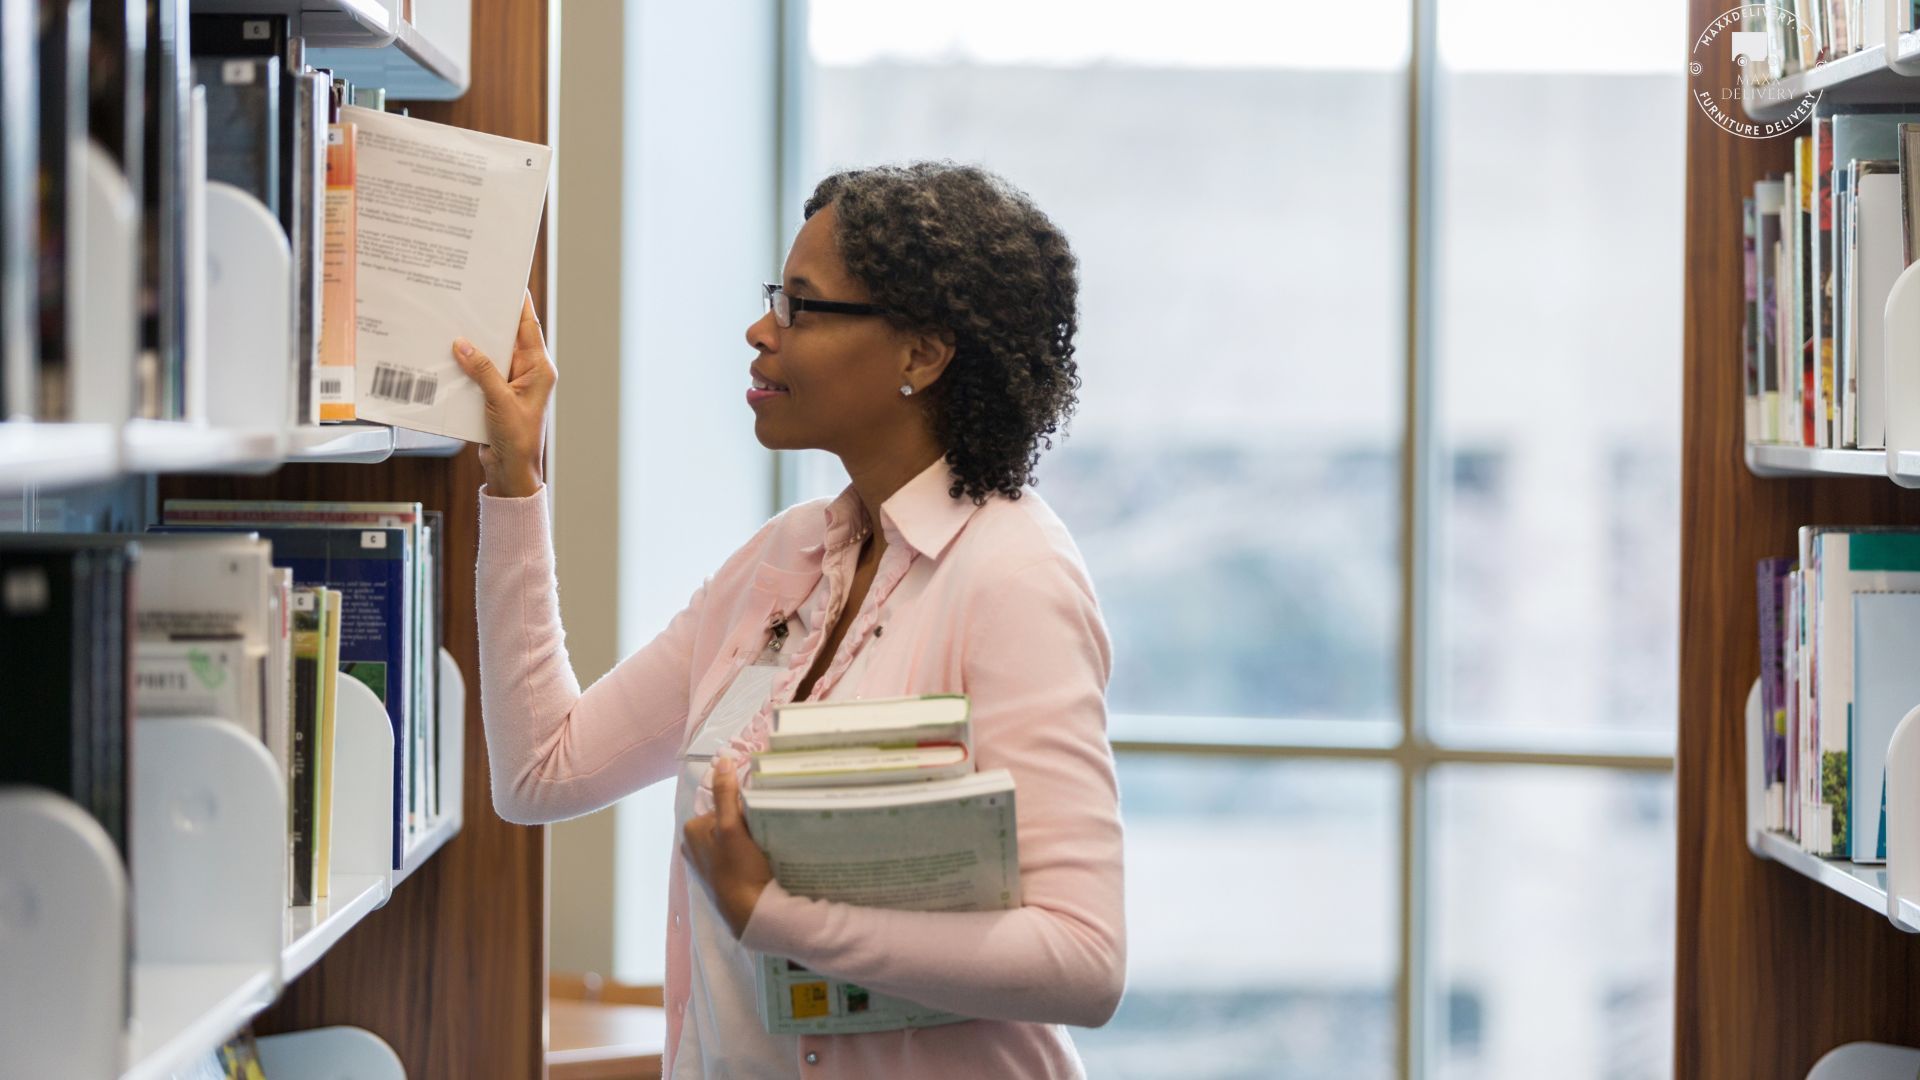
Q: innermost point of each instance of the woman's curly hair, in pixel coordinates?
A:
(955, 249)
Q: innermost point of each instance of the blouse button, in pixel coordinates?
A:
(813, 1057)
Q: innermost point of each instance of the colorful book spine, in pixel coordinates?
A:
(337, 333)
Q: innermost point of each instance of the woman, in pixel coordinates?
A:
(923, 333)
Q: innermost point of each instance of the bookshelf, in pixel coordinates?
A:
(1872, 886)
(1861, 78)
(438, 964)
(1778, 960)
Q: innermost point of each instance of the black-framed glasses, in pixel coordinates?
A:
(784, 306)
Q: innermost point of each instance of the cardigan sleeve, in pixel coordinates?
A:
(554, 752)
(1036, 665)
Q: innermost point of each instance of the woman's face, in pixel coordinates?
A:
(836, 378)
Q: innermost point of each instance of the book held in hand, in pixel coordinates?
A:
(445, 222)
(876, 803)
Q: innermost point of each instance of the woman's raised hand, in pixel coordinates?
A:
(516, 407)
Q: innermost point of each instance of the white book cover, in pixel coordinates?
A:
(944, 845)
(220, 679)
(872, 721)
(446, 221)
(1877, 242)
(1886, 688)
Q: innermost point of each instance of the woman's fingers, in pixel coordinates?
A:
(481, 370)
(726, 794)
(529, 347)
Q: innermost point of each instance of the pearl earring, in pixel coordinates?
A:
(906, 390)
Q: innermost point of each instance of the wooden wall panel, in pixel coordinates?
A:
(452, 972)
(1772, 970)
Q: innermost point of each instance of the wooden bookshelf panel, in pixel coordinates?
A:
(1772, 969)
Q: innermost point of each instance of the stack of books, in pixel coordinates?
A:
(876, 803)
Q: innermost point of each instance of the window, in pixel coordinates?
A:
(1366, 759)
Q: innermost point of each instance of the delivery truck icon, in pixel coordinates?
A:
(1749, 45)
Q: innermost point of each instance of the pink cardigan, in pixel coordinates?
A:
(990, 601)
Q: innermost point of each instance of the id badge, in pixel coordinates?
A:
(741, 703)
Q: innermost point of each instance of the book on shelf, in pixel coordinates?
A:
(19, 184)
(64, 603)
(1821, 273)
(898, 819)
(377, 554)
(338, 333)
(1803, 34)
(244, 144)
(1775, 576)
(936, 845)
(63, 38)
(447, 221)
(324, 772)
(1886, 687)
(161, 363)
(209, 635)
(1818, 657)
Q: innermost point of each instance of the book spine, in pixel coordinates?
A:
(300, 786)
(337, 333)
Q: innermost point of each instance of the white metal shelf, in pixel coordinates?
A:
(56, 455)
(165, 446)
(1858, 78)
(350, 443)
(411, 68)
(1866, 884)
(1771, 460)
(35, 455)
(182, 1012)
(313, 929)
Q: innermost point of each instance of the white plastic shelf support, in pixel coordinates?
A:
(209, 882)
(363, 754)
(1900, 371)
(329, 1053)
(450, 761)
(361, 846)
(1887, 889)
(1867, 1061)
(249, 271)
(63, 939)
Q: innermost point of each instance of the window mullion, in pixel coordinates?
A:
(1417, 517)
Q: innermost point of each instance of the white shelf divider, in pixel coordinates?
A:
(329, 1053)
(361, 843)
(350, 443)
(63, 939)
(209, 844)
(1770, 460)
(1886, 889)
(1901, 380)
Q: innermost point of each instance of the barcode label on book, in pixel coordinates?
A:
(336, 384)
(403, 385)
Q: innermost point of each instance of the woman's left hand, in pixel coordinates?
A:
(724, 856)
